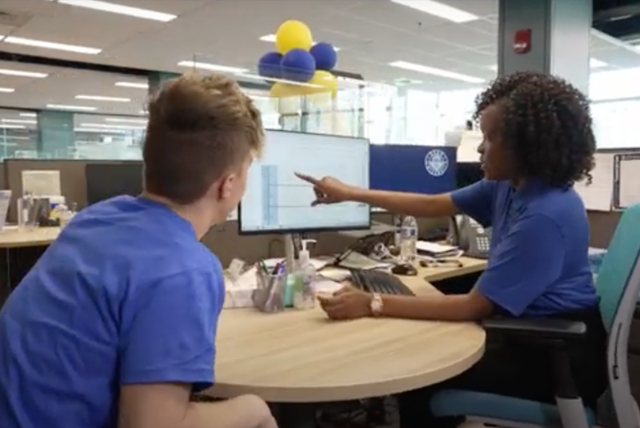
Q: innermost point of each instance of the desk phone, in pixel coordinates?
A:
(470, 236)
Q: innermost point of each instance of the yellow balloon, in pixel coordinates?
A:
(293, 35)
(324, 81)
(285, 98)
(280, 90)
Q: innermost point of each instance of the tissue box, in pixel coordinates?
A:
(238, 295)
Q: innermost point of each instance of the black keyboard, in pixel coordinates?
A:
(375, 281)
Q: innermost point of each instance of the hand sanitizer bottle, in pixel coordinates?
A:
(304, 274)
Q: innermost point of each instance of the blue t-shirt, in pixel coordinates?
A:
(125, 295)
(538, 263)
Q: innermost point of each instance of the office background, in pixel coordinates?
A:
(407, 77)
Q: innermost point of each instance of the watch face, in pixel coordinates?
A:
(376, 304)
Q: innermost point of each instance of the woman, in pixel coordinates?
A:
(538, 141)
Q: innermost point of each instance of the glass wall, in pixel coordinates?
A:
(101, 115)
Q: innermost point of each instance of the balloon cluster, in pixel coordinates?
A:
(300, 61)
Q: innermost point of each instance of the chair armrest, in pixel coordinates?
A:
(537, 328)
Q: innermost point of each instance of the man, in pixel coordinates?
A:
(115, 324)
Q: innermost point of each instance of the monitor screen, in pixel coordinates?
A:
(107, 180)
(277, 201)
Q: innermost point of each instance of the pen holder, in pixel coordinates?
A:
(269, 294)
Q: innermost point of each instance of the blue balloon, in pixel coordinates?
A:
(269, 65)
(298, 65)
(325, 56)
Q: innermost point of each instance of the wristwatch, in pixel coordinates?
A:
(376, 304)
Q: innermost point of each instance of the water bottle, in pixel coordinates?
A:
(408, 239)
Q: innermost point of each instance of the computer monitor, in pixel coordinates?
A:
(468, 173)
(413, 168)
(106, 180)
(276, 201)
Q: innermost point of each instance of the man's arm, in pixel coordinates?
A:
(168, 406)
(167, 351)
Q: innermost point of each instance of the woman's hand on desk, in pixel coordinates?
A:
(328, 190)
(346, 304)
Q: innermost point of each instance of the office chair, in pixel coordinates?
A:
(618, 284)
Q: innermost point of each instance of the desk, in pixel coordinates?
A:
(19, 251)
(301, 356)
(38, 237)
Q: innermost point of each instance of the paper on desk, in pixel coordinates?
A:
(41, 183)
(326, 286)
(335, 274)
(434, 247)
(598, 196)
(629, 182)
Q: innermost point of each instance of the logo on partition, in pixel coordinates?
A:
(436, 162)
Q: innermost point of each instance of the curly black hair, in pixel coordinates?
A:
(546, 126)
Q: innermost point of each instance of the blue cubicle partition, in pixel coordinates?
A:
(421, 169)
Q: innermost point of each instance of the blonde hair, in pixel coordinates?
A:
(199, 128)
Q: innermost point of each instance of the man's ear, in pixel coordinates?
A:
(226, 186)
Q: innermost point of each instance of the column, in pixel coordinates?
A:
(157, 78)
(56, 134)
(550, 36)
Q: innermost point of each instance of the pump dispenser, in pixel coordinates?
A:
(305, 272)
(304, 257)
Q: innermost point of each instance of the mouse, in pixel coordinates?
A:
(405, 269)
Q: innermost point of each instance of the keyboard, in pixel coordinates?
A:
(375, 281)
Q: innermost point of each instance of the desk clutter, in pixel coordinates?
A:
(272, 286)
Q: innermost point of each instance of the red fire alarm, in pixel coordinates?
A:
(522, 41)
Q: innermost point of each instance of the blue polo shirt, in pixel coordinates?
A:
(538, 263)
(126, 295)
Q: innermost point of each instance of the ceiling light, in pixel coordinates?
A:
(438, 9)
(212, 67)
(28, 115)
(435, 71)
(70, 107)
(271, 38)
(7, 90)
(101, 98)
(2, 125)
(100, 131)
(20, 73)
(121, 9)
(133, 85)
(29, 122)
(51, 45)
(123, 120)
(104, 125)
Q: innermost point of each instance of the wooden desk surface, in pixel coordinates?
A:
(14, 238)
(301, 356)
(469, 266)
